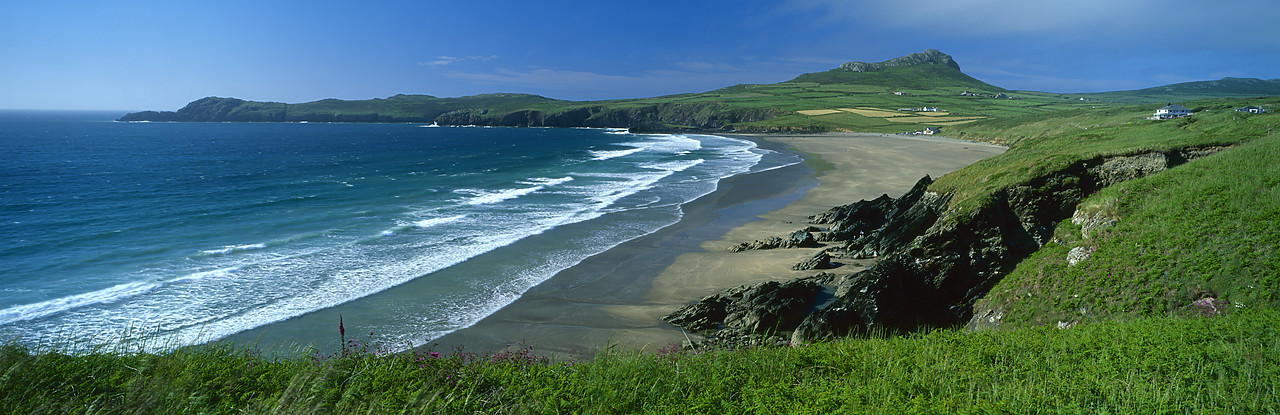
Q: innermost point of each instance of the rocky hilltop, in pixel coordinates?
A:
(929, 56)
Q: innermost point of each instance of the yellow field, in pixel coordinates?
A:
(933, 120)
(920, 117)
(941, 124)
(817, 112)
(872, 112)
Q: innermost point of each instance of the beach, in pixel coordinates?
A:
(618, 297)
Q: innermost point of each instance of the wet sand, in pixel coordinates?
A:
(619, 296)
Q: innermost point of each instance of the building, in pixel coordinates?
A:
(1252, 109)
(1172, 111)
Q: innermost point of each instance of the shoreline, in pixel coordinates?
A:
(619, 296)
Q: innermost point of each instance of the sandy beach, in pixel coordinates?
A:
(619, 296)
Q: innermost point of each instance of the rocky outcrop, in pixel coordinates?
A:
(855, 220)
(1091, 221)
(932, 266)
(929, 56)
(767, 308)
(820, 260)
(798, 239)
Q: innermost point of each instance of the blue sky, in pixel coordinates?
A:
(134, 55)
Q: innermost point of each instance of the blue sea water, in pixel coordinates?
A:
(195, 231)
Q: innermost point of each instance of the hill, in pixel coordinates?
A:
(856, 96)
(398, 108)
(925, 70)
(1222, 88)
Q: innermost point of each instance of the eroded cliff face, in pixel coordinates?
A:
(932, 266)
(658, 117)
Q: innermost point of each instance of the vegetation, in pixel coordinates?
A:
(1044, 143)
(1202, 232)
(1222, 364)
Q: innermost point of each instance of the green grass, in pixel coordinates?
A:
(1205, 229)
(1224, 364)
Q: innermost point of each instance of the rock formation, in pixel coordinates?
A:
(927, 57)
(932, 267)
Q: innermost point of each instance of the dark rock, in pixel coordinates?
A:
(798, 239)
(772, 242)
(821, 260)
(909, 217)
(801, 239)
(766, 308)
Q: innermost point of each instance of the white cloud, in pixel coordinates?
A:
(1005, 78)
(1145, 23)
(446, 60)
(584, 85)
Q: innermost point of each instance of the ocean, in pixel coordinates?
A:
(185, 233)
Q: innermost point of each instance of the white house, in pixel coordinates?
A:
(1253, 109)
(1172, 111)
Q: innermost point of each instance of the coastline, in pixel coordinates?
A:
(619, 296)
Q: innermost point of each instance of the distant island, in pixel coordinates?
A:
(844, 98)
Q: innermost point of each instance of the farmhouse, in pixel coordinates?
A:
(1172, 111)
(1252, 109)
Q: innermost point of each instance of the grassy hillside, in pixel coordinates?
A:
(1226, 364)
(1204, 234)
